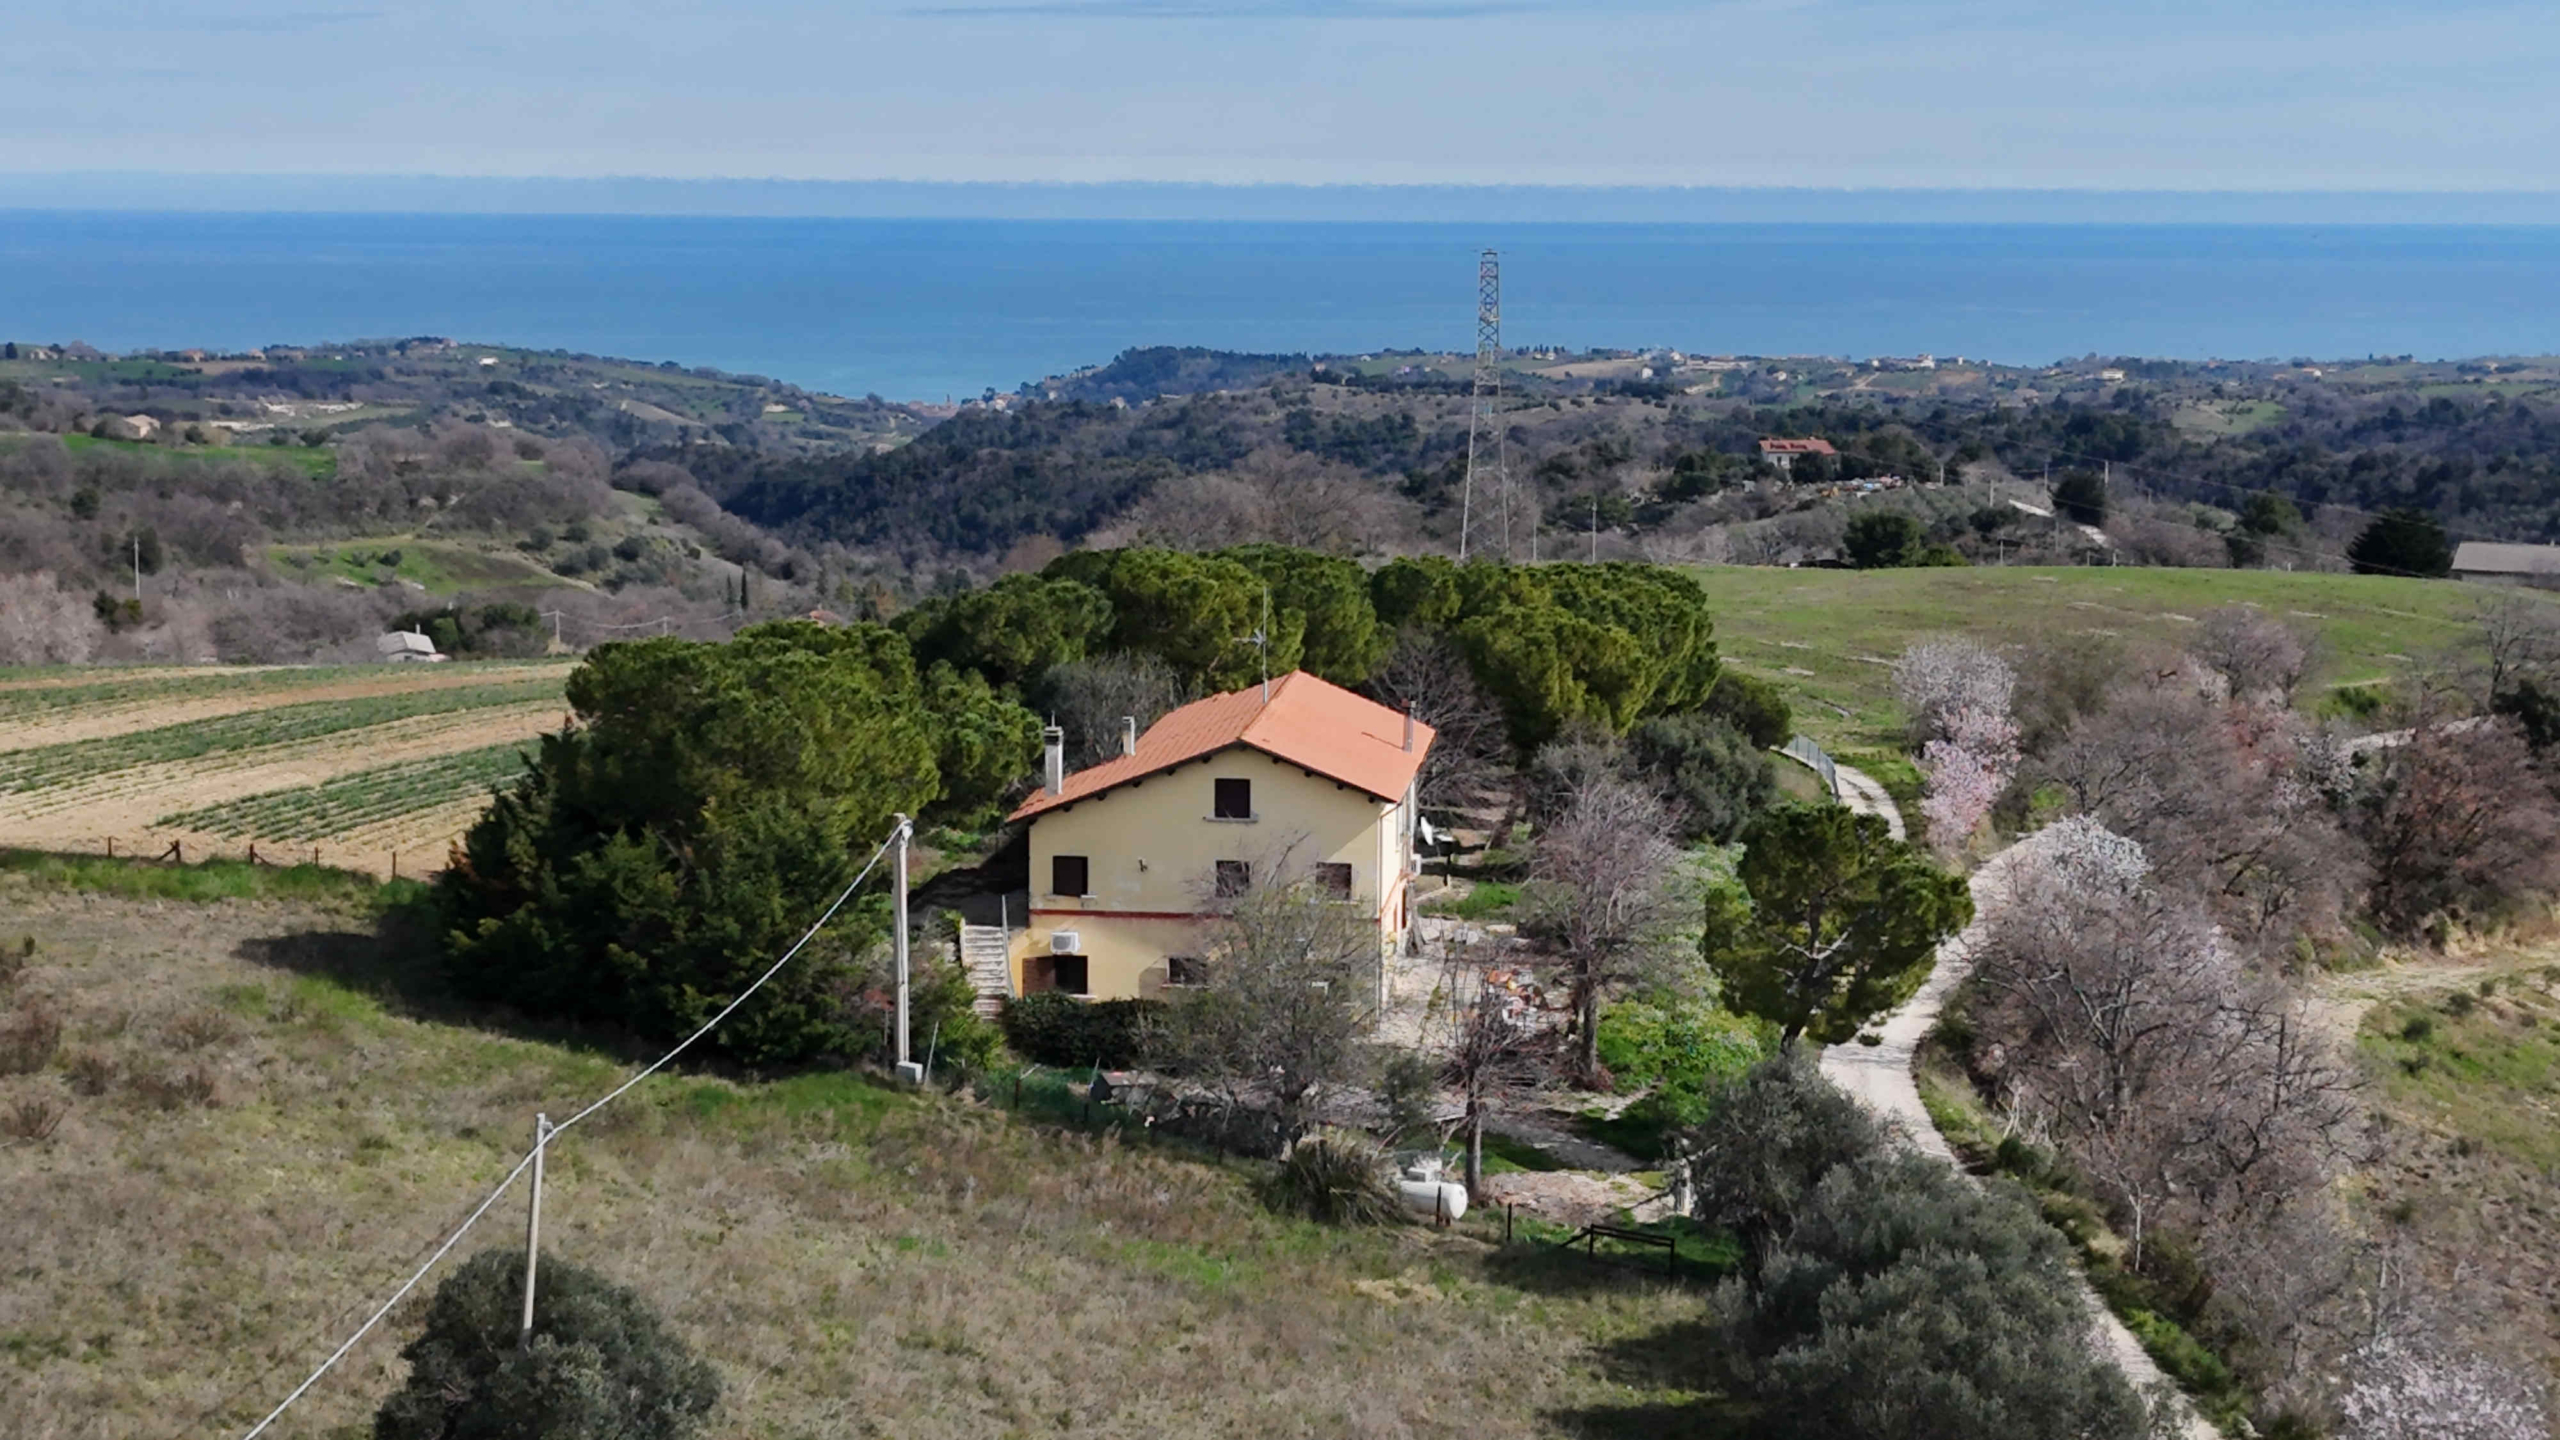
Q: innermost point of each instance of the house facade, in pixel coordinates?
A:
(1130, 857)
(1785, 453)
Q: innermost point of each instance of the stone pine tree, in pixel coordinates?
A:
(1837, 924)
(2402, 542)
(602, 1365)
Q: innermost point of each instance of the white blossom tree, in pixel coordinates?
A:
(1938, 677)
(1968, 768)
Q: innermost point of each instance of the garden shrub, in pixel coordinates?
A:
(1053, 1028)
(1337, 1176)
(1685, 1050)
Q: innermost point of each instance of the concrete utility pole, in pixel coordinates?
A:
(909, 1072)
(533, 1229)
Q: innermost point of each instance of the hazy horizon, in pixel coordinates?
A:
(746, 197)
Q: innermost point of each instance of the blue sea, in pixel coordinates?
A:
(923, 309)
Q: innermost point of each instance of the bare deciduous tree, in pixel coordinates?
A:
(2221, 801)
(1290, 996)
(1495, 1056)
(2457, 817)
(1426, 676)
(1283, 496)
(2119, 1019)
(1602, 894)
(40, 625)
(1091, 699)
(2257, 656)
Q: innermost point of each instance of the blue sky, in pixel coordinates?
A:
(2135, 95)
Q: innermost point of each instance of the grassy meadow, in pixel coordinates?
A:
(264, 1119)
(1828, 637)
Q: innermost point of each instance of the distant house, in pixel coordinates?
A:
(2491, 563)
(408, 646)
(1785, 453)
(1127, 855)
(129, 427)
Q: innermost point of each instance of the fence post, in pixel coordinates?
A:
(395, 864)
(111, 847)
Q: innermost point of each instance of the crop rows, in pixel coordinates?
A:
(73, 761)
(179, 684)
(355, 800)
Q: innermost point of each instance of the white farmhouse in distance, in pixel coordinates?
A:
(406, 646)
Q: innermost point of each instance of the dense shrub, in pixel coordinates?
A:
(1059, 1029)
(682, 832)
(1714, 777)
(1882, 1295)
(602, 1365)
(1881, 540)
(1753, 706)
(1686, 1050)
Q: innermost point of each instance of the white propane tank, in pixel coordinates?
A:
(1439, 1199)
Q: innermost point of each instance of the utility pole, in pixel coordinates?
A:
(1595, 527)
(909, 1072)
(137, 567)
(533, 1229)
(1484, 428)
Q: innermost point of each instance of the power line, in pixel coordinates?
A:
(527, 1162)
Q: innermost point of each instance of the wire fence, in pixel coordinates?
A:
(422, 860)
(1802, 750)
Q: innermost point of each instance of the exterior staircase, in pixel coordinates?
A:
(983, 954)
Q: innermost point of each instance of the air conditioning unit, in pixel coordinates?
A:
(1064, 942)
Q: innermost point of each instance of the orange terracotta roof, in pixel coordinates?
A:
(1308, 723)
(1797, 447)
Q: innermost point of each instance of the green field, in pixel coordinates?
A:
(360, 798)
(298, 457)
(170, 683)
(1828, 637)
(441, 567)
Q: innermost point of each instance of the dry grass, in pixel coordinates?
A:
(258, 1139)
(2469, 1075)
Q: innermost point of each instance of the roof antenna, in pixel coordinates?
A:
(1261, 640)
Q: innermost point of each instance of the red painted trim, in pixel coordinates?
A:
(1126, 914)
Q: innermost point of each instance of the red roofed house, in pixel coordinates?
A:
(1127, 856)
(1783, 453)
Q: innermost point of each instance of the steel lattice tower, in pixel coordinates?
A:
(1484, 430)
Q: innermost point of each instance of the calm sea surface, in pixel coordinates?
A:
(917, 309)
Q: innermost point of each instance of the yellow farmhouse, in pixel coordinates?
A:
(1128, 856)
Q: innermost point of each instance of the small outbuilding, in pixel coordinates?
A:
(408, 646)
(2492, 563)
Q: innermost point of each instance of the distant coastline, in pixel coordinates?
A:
(935, 309)
(1145, 200)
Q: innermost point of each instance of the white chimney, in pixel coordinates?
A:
(1053, 744)
(1408, 731)
(1128, 734)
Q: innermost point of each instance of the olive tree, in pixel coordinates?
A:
(602, 1365)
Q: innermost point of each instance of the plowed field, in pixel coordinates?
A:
(375, 768)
